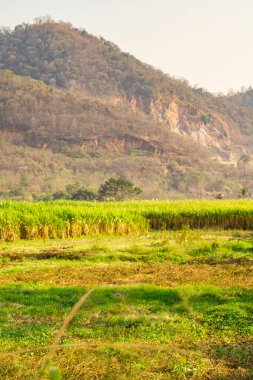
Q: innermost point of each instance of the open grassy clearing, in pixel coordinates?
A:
(188, 325)
(166, 305)
(163, 258)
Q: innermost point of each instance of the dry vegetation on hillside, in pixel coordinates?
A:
(92, 111)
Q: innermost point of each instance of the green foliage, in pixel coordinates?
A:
(15, 191)
(72, 188)
(59, 195)
(62, 219)
(187, 316)
(54, 374)
(118, 189)
(83, 194)
(73, 192)
(42, 197)
(131, 322)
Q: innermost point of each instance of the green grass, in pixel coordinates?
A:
(166, 305)
(189, 316)
(30, 315)
(175, 246)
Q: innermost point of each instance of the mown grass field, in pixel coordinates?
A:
(171, 304)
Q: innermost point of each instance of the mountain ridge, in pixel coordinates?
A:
(88, 95)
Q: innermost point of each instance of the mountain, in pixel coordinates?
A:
(75, 108)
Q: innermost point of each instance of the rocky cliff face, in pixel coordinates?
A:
(71, 59)
(206, 129)
(104, 111)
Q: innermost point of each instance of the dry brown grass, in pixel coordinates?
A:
(98, 360)
(165, 274)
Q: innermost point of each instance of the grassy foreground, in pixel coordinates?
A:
(166, 305)
(64, 219)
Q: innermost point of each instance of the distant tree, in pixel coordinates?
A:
(83, 194)
(244, 193)
(43, 20)
(60, 195)
(42, 197)
(16, 191)
(219, 196)
(118, 189)
(72, 188)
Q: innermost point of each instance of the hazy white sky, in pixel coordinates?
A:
(208, 42)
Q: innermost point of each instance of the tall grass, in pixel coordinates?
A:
(57, 220)
(65, 219)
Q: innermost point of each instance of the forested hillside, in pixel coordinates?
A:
(75, 108)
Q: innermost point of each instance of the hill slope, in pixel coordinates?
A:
(92, 111)
(69, 58)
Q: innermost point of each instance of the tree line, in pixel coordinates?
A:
(113, 189)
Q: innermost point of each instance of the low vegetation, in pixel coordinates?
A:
(166, 305)
(63, 219)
